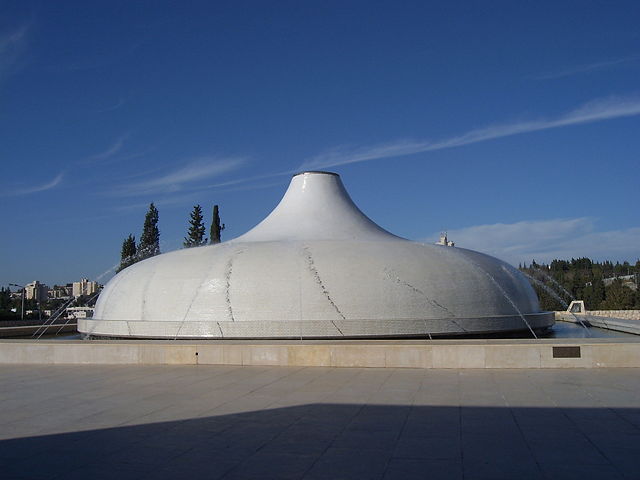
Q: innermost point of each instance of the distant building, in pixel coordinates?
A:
(40, 313)
(61, 291)
(629, 281)
(79, 312)
(36, 291)
(84, 287)
(445, 241)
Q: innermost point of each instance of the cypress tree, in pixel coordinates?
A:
(195, 234)
(150, 239)
(127, 253)
(216, 229)
(5, 299)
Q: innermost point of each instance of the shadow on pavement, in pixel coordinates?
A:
(343, 441)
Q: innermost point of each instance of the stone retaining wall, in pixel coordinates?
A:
(626, 314)
(552, 353)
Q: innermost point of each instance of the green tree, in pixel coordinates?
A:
(128, 253)
(585, 280)
(195, 234)
(150, 239)
(216, 229)
(597, 297)
(618, 297)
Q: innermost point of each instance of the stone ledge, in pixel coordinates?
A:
(24, 330)
(608, 323)
(626, 314)
(549, 353)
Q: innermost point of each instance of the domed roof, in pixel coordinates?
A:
(316, 267)
(316, 206)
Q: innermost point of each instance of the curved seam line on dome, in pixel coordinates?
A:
(193, 299)
(227, 276)
(144, 293)
(399, 281)
(316, 275)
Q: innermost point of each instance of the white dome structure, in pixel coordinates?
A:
(316, 267)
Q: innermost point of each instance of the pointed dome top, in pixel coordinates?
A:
(316, 206)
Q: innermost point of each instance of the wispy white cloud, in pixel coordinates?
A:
(545, 240)
(35, 188)
(252, 178)
(110, 151)
(178, 199)
(594, 111)
(198, 170)
(12, 40)
(190, 198)
(591, 67)
(99, 59)
(13, 45)
(256, 186)
(110, 108)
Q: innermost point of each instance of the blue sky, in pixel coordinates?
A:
(515, 126)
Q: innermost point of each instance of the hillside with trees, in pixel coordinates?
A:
(602, 285)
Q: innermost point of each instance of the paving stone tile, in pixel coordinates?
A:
(209, 470)
(365, 440)
(573, 471)
(348, 464)
(423, 469)
(272, 466)
(573, 450)
(502, 468)
(433, 448)
(477, 448)
(243, 422)
(301, 441)
(104, 471)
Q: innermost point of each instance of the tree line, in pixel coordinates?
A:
(602, 285)
(149, 245)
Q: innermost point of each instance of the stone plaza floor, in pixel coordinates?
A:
(205, 422)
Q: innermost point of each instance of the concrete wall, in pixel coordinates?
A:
(28, 330)
(581, 353)
(626, 314)
(618, 324)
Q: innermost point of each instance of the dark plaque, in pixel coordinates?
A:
(566, 352)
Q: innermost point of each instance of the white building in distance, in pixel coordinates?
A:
(36, 291)
(60, 291)
(79, 312)
(85, 287)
